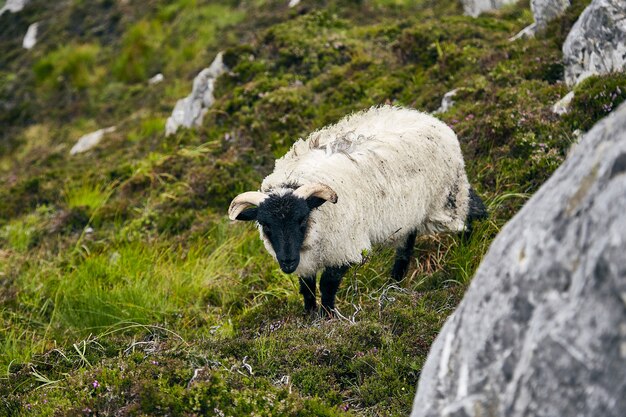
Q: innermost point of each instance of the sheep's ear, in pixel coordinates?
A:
(316, 194)
(244, 201)
(248, 215)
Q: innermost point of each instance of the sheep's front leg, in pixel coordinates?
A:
(329, 283)
(403, 257)
(307, 289)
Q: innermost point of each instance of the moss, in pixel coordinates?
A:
(138, 58)
(72, 67)
(165, 384)
(594, 98)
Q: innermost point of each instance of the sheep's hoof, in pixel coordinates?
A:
(311, 313)
(400, 268)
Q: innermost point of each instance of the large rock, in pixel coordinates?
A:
(13, 6)
(542, 328)
(597, 42)
(543, 11)
(190, 110)
(475, 7)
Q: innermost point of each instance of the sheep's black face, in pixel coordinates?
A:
(284, 221)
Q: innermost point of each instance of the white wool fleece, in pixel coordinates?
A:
(394, 170)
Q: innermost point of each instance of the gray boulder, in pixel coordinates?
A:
(541, 330)
(543, 11)
(190, 110)
(475, 7)
(597, 42)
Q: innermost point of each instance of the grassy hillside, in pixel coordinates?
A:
(124, 290)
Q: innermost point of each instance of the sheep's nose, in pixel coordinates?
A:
(289, 265)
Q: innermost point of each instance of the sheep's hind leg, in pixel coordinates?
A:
(329, 283)
(307, 289)
(403, 257)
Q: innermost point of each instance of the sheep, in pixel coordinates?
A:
(389, 174)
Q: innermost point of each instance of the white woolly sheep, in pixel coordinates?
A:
(389, 173)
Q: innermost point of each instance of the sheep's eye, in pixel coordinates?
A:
(266, 230)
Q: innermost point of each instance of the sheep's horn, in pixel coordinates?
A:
(243, 201)
(316, 190)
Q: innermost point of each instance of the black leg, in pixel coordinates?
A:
(329, 283)
(403, 257)
(307, 289)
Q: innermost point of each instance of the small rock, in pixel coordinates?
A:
(293, 3)
(190, 110)
(30, 40)
(158, 78)
(90, 140)
(475, 7)
(528, 32)
(543, 11)
(562, 106)
(596, 44)
(447, 101)
(13, 6)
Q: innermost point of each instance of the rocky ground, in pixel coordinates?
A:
(124, 290)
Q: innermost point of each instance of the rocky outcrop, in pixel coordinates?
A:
(447, 101)
(90, 140)
(475, 7)
(190, 111)
(597, 42)
(543, 11)
(30, 39)
(13, 6)
(541, 330)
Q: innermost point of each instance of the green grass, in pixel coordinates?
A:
(91, 196)
(70, 66)
(21, 233)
